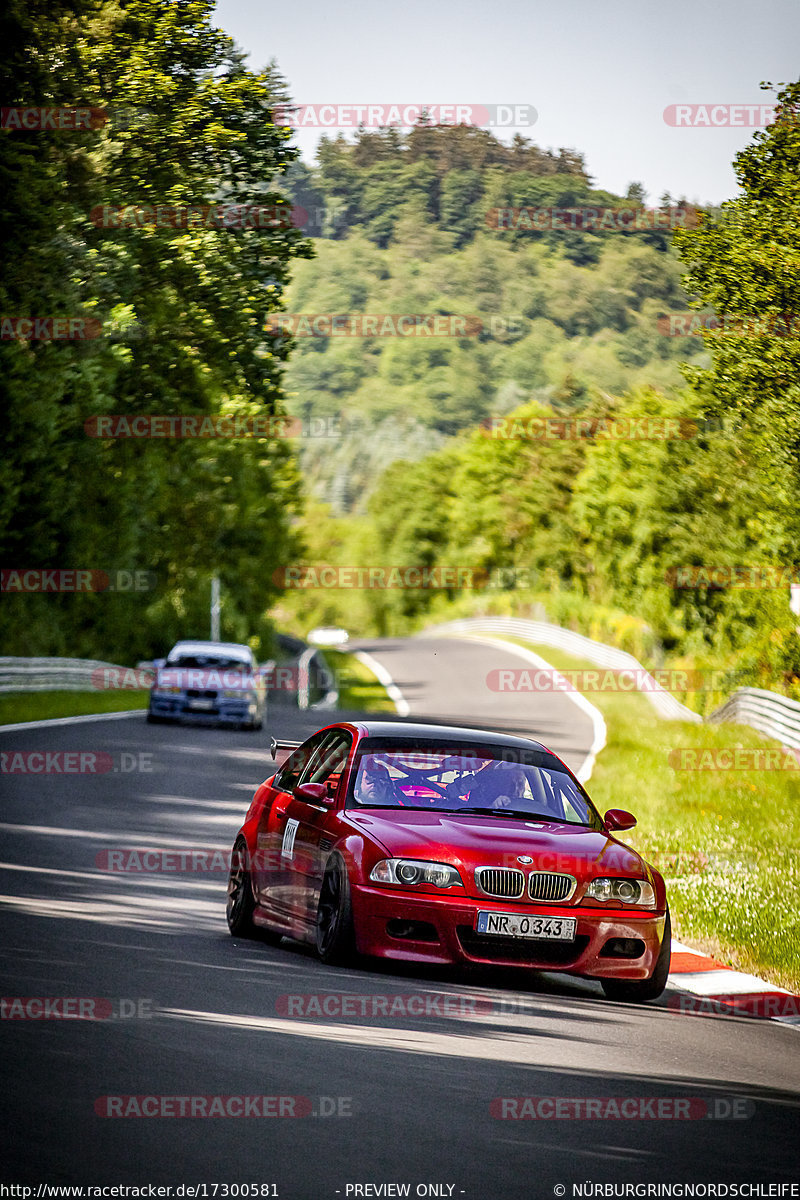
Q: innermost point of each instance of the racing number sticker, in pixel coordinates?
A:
(287, 849)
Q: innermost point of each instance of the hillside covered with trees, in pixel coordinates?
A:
(592, 527)
(448, 220)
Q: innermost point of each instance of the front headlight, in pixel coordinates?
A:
(410, 871)
(248, 697)
(625, 891)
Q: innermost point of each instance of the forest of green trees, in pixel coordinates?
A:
(181, 312)
(567, 319)
(591, 528)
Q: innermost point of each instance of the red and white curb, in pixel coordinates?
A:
(699, 984)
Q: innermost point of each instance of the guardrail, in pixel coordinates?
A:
(52, 674)
(770, 713)
(545, 634)
(315, 688)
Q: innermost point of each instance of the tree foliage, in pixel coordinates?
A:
(183, 311)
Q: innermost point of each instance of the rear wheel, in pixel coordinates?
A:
(241, 903)
(638, 991)
(335, 938)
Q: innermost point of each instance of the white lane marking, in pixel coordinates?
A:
(599, 731)
(721, 983)
(112, 716)
(385, 679)
(679, 948)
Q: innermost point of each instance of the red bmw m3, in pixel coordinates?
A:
(443, 845)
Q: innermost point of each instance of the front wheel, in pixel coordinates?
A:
(239, 910)
(638, 991)
(335, 936)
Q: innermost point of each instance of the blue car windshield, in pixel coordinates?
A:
(207, 662)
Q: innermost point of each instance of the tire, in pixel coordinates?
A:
(153, 720)
(639, 991)
(335, 934)
(241, 903)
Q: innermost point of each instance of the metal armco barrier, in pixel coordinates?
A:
(51, 674)
(770, 713)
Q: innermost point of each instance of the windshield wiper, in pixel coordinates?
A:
(513, 812)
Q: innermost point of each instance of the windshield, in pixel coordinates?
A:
(207, 662)
(498, 780)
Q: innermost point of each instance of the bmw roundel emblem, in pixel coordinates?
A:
(524, 858)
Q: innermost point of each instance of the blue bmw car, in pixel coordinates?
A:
(212, 683)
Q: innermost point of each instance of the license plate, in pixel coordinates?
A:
(518, 925)
(201, 704)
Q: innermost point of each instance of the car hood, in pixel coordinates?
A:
(478, 841)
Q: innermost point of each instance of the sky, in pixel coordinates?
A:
(599, 73)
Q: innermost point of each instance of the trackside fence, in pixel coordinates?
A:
(315, 683)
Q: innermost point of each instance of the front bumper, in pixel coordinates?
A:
(221, 712)
(417, 927)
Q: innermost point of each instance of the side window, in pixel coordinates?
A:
(289, 775)
(328, 765)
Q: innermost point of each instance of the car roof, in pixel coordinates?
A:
(235, 649)
(413, 730)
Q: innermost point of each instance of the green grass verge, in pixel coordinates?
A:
(358, 687)
(41, 706)
(726, 841)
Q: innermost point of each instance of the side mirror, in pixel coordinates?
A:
(619, 818)
(158, 663)
(312, 793)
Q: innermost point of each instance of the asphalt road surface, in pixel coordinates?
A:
(448, 680)
(393, 1093)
